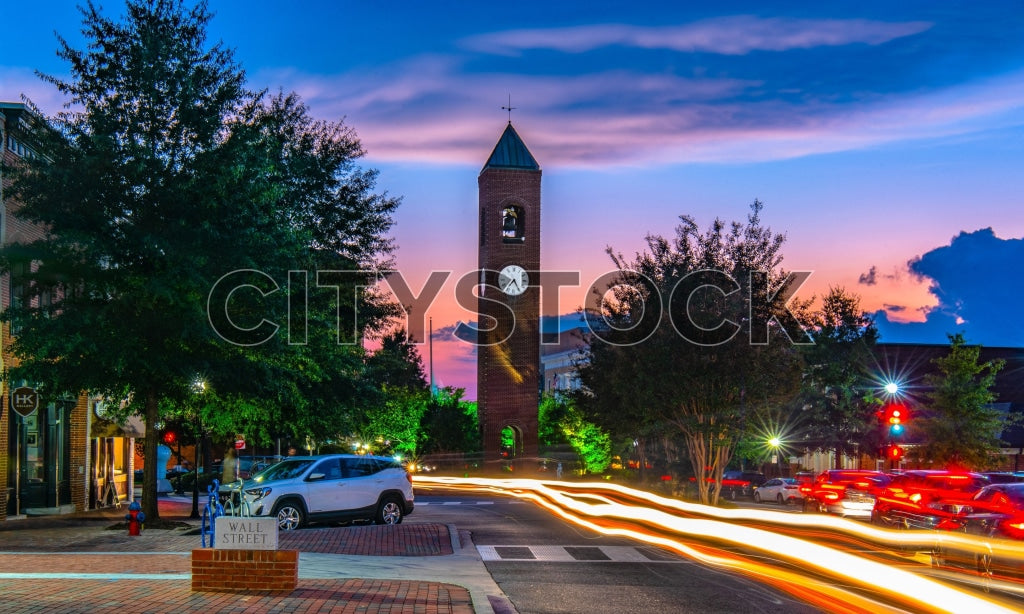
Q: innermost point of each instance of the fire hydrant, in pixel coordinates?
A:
(135, 518)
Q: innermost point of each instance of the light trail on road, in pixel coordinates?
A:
(832, 579)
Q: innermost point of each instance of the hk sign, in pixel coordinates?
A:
(24, 401)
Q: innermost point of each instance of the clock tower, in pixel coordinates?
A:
(508, 306)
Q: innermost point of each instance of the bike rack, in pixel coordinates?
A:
(210, 518)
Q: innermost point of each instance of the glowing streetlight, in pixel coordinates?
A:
(775, 442)
(892, 388)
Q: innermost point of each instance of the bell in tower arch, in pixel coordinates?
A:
(512, 225)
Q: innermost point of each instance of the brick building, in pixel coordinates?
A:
(50, 444)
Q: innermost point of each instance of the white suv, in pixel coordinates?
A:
(334, 487)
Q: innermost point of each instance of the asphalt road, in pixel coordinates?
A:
(546, 565)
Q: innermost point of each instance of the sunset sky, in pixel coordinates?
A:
(885, 139)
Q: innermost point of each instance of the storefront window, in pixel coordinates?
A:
(40, 445)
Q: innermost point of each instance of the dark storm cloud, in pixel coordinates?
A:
(978, 280)
(870, 278)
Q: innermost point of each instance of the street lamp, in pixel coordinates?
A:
(775, 444)
(198, 388)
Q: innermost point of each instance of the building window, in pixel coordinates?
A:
(512, 224)
(19, 275)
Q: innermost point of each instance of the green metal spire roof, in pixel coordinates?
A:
(510, 152)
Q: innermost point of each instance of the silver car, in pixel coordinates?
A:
(333, 487)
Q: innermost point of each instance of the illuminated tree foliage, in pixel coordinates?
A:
(560, 421)
(688, 348)
(450, 425)
(391, 421)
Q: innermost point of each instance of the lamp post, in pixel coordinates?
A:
(198, 387)
(775, 443)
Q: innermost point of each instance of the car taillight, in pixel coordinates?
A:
(831, 496)
(949, 524)
(408, 476)
(916, 497)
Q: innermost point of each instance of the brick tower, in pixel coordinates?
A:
(508, 359)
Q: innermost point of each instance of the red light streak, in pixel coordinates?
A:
(833, 579)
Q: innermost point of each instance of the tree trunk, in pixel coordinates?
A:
(149, 501)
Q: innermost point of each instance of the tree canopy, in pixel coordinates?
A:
(188, 224)
(835, 409)
(961, 428)
(698, 340)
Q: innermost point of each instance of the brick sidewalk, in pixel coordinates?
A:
(406, 539)
(74, 564)
(71, 596)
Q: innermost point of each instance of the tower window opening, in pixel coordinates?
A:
(512, 222)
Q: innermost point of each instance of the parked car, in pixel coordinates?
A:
(845, 492)
(245, 467)
(996, 512)
(736, 483)
(925, 499)
(780, 490)
(1002, 477)
(334, 487)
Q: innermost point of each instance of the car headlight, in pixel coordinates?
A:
(259, 492)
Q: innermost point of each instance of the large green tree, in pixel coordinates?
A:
(835, 409)
(959, 425)
(696, 339)
(391, 423)
(561, 422)
(175, 203)
(450, 425)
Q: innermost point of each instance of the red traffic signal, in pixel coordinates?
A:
(894, 416)
(170, 437)
(895, 453)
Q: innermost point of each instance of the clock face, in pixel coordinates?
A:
(513, 280)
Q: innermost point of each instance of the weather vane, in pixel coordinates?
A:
(509, 108)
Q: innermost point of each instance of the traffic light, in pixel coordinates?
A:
(170, 436)
(896, 416)
(895, 453)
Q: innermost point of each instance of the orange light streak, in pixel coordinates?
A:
(898, 585)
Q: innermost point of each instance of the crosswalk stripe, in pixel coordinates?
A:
(563, 554)
(459, 502)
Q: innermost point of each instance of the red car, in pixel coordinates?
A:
(926, 499)
(995, 512)
(845, 492)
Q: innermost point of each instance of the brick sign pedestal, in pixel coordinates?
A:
(244, 559)
(244, 571)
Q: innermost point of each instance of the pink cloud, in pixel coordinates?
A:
(429, 111)
(735, 35)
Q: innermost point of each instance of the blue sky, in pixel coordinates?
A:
(885, 139)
